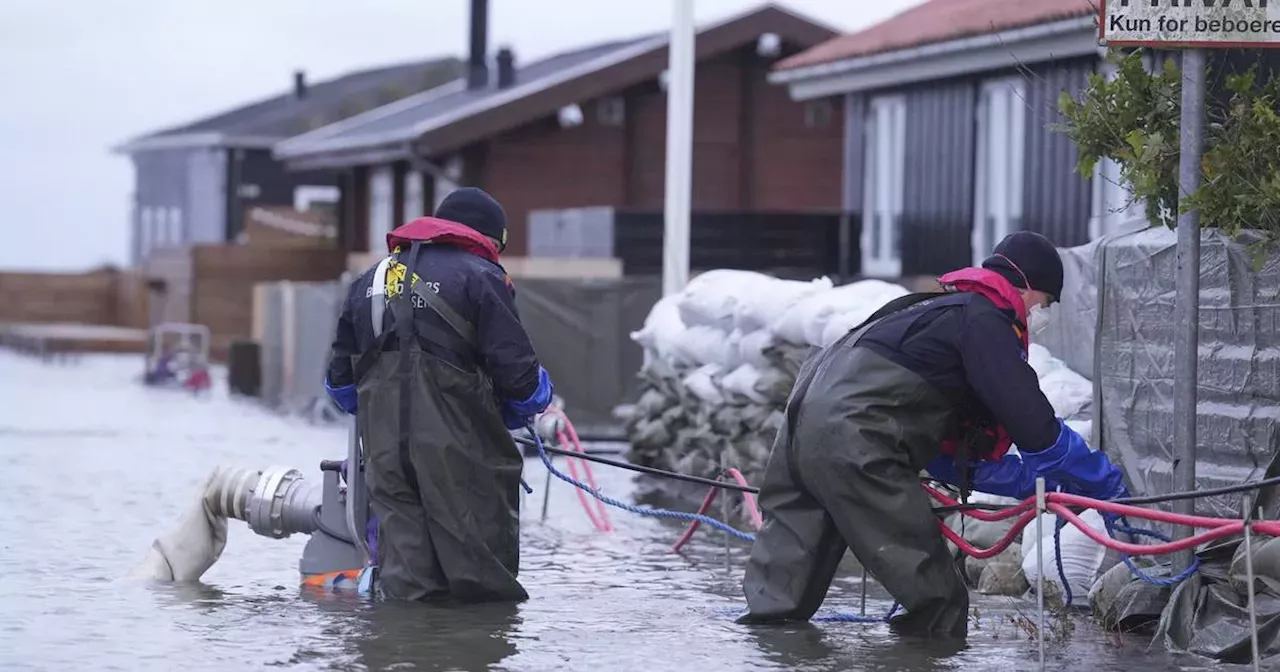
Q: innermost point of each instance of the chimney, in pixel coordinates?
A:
(299, 84)
(506, 68)
(477, 70)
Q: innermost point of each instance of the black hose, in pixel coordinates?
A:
(643, 470)
(652, 471)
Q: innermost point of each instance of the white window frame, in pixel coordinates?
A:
(1000, 163)
(413, 205)
(882, 194)
(177, 233)
(146, 238)
(381, 209)
(305, 195)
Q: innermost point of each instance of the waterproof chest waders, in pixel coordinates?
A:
(442, 471)
(844, 473)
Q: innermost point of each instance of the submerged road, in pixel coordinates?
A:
(97, 466)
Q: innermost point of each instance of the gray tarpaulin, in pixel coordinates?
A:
(581, 330)
(1239, 362)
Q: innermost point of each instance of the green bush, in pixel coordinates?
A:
(1134, 120)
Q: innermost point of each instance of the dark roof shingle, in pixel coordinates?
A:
(940, 21)
(326, 102)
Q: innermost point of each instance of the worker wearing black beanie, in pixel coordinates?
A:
(936, 382)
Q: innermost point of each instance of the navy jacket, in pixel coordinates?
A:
(966, 347)
(478, 289)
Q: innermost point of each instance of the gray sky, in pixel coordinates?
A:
(81, 76)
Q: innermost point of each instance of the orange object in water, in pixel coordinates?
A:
(331, 580)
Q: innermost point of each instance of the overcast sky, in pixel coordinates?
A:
(80, 76)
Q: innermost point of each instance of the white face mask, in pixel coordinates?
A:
(1037, 319)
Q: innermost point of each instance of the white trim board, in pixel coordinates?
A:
(1044, 42)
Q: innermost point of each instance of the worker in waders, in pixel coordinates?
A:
(437, 370)
(933, 381)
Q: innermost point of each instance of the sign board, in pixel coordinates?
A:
(1190, 23)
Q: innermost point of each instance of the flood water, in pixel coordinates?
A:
(97, 466)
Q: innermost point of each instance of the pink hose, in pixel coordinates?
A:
(1056, 502)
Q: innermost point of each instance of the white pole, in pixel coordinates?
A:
(679, 187)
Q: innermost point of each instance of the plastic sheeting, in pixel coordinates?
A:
(1239, 362)
(581, 330)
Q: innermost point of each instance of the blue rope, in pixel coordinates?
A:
(1057, 557)
(679, 515)
(1123, 527)
(641, 510)
(828, 618)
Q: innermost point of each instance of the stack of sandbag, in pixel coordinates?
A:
(722, 357)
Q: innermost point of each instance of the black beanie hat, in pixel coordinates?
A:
(477, 209)
(1030, 255)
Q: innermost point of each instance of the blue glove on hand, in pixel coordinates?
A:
(1008, 477)
(517, 414)
(1079, 470)
(345, 396)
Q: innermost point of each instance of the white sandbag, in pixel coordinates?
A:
(663, 328)
(1042, 360)
(1084, 561)
(711, 299)
(759, 309)
(1068, 392)
(752, 345)
(1084, 428)
(743, 381)
(806, 321)
(701, 383)
(191, 548)
(699, 345)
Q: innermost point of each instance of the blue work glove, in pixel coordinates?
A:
(344, 397)
(1079, 470)
(538, 401)
(1007, 477)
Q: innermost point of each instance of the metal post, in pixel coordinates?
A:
(863, 605)
(1248, 569)
(1040, 511)
(679, 188)
(1187, 308)
(724, 515)
(546, 490)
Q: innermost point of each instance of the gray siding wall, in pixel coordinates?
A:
(206, 196)
(937, 214)
(162, 189)
(1056, 200)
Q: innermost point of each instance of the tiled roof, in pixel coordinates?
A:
(940, 21)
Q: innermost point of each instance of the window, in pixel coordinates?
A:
(381, 212)
(611, 111)
(413, 195)
(448, 182)
(310, 196)
(175, 227)
(882, 187)
(1002, 130)
(145, 240)
(817, 113)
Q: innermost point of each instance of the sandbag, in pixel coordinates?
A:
(752, 346)
(662, 329)
(806, 321)
(701, 345)
(758, 310)
(700, 382)
(743, 381)
(1083, 559)
(712, 298)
